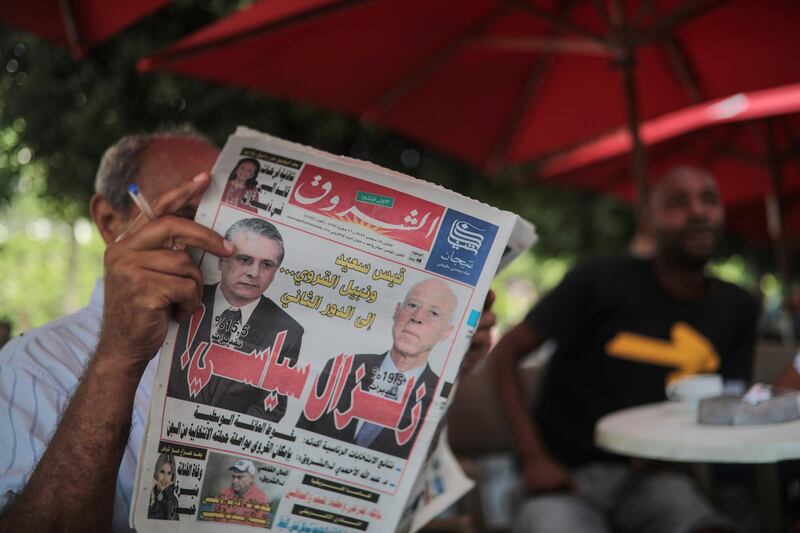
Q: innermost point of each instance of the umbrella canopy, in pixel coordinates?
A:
(75, 24)
(495, 82)
(749, 141)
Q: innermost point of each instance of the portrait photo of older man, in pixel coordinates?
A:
(421, 321)
(238, 316)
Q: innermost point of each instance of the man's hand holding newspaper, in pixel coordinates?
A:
(148, 279)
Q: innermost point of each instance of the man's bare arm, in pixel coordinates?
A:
(72, 487)
(540, 472)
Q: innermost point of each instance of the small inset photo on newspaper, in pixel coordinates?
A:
(239, 491)
(163, 497)
(242, 185)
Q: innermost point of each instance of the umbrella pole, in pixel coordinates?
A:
(73, 39)
(638, 155)
(777, 230)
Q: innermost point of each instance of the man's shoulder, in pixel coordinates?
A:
(209, 294)
(429, 375)
(227, 493)
(429, 378)
(268, 309)
(732, 293)
(375, 359)
(62, 346)
(369, 355)
(607, 271)
(368, 358)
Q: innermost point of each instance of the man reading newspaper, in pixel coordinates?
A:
(149, 278)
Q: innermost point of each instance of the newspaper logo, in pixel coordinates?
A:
(367, 206)
(461, 247)
(465, 236)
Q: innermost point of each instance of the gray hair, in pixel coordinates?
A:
(260, 227)
(121, 163)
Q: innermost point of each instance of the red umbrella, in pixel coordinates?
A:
(497, 81)
(749, 141)
(75, 24)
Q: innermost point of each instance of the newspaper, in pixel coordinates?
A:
(307, 392)
(440, 484)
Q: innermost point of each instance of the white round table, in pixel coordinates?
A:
(669, 431)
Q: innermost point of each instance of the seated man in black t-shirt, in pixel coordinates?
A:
(625, 327)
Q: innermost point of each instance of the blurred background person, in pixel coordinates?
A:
(616, 323)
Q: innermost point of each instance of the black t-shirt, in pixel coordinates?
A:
(620, 337)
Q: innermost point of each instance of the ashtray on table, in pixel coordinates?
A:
(734, 411)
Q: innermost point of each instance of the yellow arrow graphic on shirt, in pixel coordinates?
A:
(689, 351)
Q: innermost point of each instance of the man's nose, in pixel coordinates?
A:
(253, 270)
(698, 208)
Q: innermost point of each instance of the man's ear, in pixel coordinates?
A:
(446, 333)
(110, 222)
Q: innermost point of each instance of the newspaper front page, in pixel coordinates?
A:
(308, 390)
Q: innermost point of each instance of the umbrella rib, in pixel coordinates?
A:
(643, 10)
(682, 69)
(506, 137)
(168, 56)
(617, 15)
(602, 11)
(532, 84)
(556, 21)
(385, 100)
(681, 14)
(73, 39)
(574, 46)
